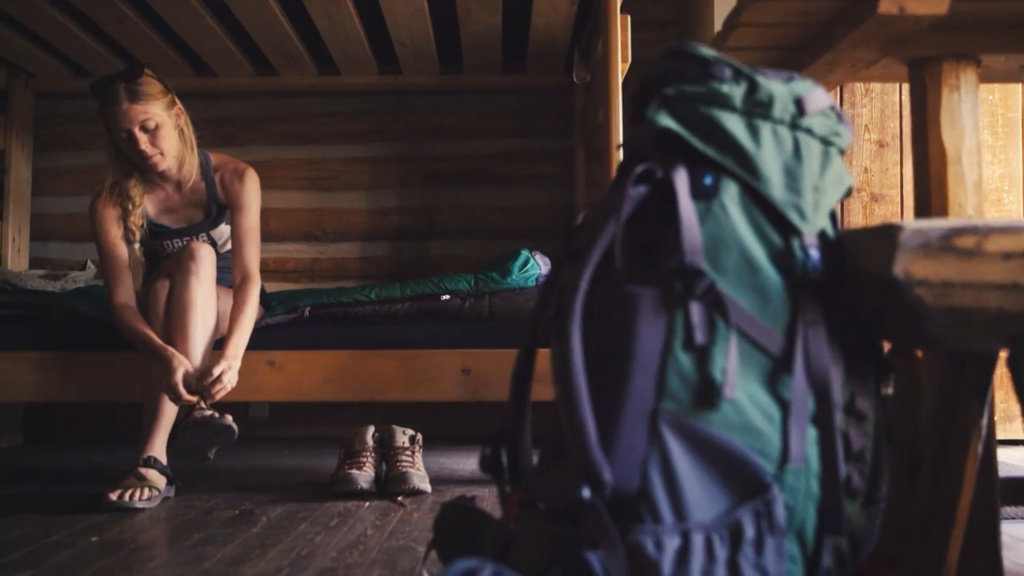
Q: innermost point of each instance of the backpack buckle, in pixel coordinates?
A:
(814, 265)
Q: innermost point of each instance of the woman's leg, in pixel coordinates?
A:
(182, 306)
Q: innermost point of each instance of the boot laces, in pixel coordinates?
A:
(357, 459)
(406, 457)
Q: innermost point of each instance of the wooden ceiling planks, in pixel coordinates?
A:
(130, 30)
(43, 18)
(412, 34)
(551, 23)
(270, 28)
(194, 23)
(480, 29)
(339, 25)
(22, 53)
(286, 45)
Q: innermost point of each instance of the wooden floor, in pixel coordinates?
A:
(258, 509)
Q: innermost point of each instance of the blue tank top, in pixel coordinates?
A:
(161, 241)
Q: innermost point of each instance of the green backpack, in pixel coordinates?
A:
(718, 410)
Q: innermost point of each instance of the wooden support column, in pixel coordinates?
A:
(598, 103)
(956, 506)
(14, 236)
(946, 137)
(17, 202)
(696, 20)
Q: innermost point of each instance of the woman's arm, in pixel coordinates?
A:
(243, 194)
(114, 267)
(108, 234)
(241, 188)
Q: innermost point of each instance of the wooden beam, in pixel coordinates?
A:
(695, 20)
(860, 39)
(551, 23)
(946, 138)
(614, 82)
(412, 34)
(132, 31)
(281, 376)
(935, 41)
(625, 43)
(197, 26)
(328, 84)
(54, 25)
(268, 25)
(26, 55)
(480, 28)
(14, 235)
(342, 31)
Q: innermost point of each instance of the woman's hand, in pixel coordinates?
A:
(176, 377)
(214, 382)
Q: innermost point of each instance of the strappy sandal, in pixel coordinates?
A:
(136, 479)
(201, 433)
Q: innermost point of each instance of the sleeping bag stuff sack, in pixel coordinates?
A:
(717, 411)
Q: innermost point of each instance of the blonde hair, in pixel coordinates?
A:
(138, 85)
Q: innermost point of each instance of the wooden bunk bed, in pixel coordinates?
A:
(395, 139)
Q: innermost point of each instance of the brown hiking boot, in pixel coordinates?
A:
(358, 462)
(404, 472)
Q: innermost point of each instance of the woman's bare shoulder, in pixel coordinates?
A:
(236, 179)
(102, 206)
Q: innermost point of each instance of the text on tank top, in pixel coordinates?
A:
(161, 241)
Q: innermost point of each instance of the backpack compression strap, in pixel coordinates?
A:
(816, 370)
(705, 296)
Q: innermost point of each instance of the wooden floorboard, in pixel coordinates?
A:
(259, 508)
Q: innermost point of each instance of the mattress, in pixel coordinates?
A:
(488, 309)
(28, 334)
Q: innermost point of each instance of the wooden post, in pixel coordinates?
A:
(696, 20)
(613, 37)
(957, 449)
(14, 236)
(14, 233)
(946, 137)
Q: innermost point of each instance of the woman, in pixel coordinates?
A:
(195, 218)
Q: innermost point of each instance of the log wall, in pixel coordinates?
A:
(881, 165)
(356, 188)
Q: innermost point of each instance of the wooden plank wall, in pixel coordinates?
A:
(884, 186)
(356, 188)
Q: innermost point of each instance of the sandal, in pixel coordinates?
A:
(201, 433)
(137, 480)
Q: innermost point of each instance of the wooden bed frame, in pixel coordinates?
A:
(33, 71)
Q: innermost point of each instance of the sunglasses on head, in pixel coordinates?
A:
(133, 73)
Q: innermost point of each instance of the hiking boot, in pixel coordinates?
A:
(358, 462)
(404, 472)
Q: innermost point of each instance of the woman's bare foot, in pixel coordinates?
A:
(139, 493)
(144, 486)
